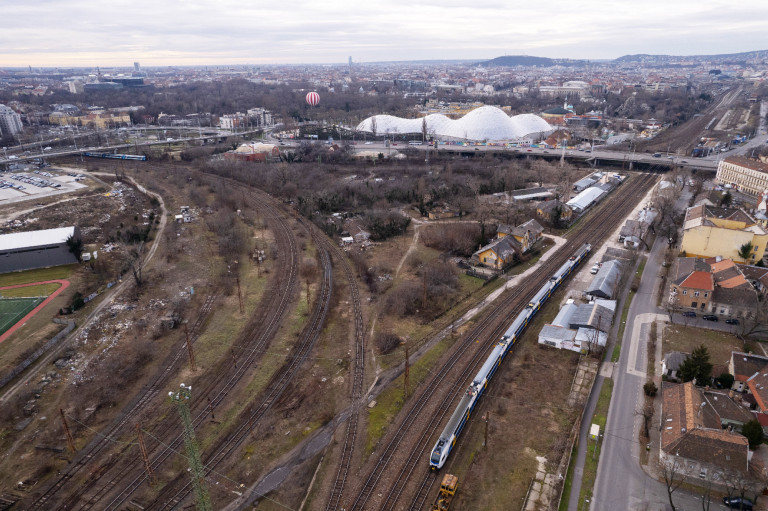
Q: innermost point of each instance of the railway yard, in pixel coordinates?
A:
(272, 323)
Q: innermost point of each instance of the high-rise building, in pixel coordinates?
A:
(136, 67)
(10, 121)
(350, 63)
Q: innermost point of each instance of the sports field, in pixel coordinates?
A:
(13, 309)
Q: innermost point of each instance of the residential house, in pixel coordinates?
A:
(711, 232)
(672, 362)
(499, 253)
(745, 174)
(526, 234)
(692, 285)
(743, 366)
(545, 210)
(692, 439)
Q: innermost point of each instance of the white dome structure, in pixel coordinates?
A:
(486, 123)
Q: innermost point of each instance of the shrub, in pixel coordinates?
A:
(650, 389)
(386, 342)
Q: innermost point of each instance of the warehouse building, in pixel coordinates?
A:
(36, 249)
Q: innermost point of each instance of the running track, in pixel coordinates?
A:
(64, 284)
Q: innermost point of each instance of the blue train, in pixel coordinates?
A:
(467, 404)
(117, 156)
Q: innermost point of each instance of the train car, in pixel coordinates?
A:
(517, 326)
(539, 298)
(561, 273)
(113, 156)
(463, 411)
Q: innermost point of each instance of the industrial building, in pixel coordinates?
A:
(36, 249)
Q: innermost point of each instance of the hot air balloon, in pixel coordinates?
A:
(313, 98)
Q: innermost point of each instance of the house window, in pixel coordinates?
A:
(695, 293)
(706, 294)
(685, 291)
(694, 304)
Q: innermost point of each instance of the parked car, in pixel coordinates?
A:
(689, 314)
(709, 317)
(595, 268)
(731, 321)
(738, 503)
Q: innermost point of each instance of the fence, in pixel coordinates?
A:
(39, 351)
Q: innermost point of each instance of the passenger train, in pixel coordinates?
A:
(470, 398)
(113, 156)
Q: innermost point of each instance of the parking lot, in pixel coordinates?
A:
(25, 182)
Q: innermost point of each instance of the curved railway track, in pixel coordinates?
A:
(263, 327)
(174, 493)
(358, 379)
(459, 366)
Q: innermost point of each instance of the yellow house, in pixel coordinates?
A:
(709, 232)
(497, 254)
(526, 234)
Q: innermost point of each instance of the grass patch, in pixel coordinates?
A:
(30, 291)
(568, 480)
(593, 451)
(542, 249)
(39, 275)
(390, 402)
(624, 313)
(686, 338)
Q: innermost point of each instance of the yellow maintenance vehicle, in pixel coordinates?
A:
(447, 491)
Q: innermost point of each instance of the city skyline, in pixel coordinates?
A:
(50, 33)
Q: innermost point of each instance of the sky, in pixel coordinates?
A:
(73, 33)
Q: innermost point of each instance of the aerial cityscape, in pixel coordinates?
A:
(383, 257)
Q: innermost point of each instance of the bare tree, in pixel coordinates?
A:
(308, 272)
(674, 476)
(136, 266)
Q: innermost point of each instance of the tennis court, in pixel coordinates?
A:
(14, 309)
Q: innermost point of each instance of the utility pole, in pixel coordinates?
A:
(189, 349)
(240, 294)
(487, 418)
(70, 440)
(406, 375)
(193, 451)
(145, 456)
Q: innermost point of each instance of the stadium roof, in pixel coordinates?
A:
(484, 123)
(31, 239)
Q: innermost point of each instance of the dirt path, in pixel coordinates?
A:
(106, 299)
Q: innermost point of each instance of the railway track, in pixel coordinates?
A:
(125, 420)
(263, 327)
(435, 399)
(173, 494)
(358, 380)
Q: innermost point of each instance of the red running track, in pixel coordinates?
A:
(20, 323)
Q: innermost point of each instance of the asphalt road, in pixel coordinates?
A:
(621, 483)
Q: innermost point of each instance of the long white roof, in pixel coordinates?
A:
(31, 239)
(484, 123)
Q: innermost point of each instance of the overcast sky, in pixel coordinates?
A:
(190, 32)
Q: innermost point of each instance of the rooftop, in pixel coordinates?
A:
(30, 239)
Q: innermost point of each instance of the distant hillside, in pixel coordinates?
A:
(721, 58)
(526, 60)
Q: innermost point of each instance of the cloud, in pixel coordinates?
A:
(117, 32)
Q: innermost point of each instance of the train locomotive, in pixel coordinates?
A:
(466, 405)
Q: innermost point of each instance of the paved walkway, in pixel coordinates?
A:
(64, 284)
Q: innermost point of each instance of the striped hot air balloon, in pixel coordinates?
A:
(313, 98)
